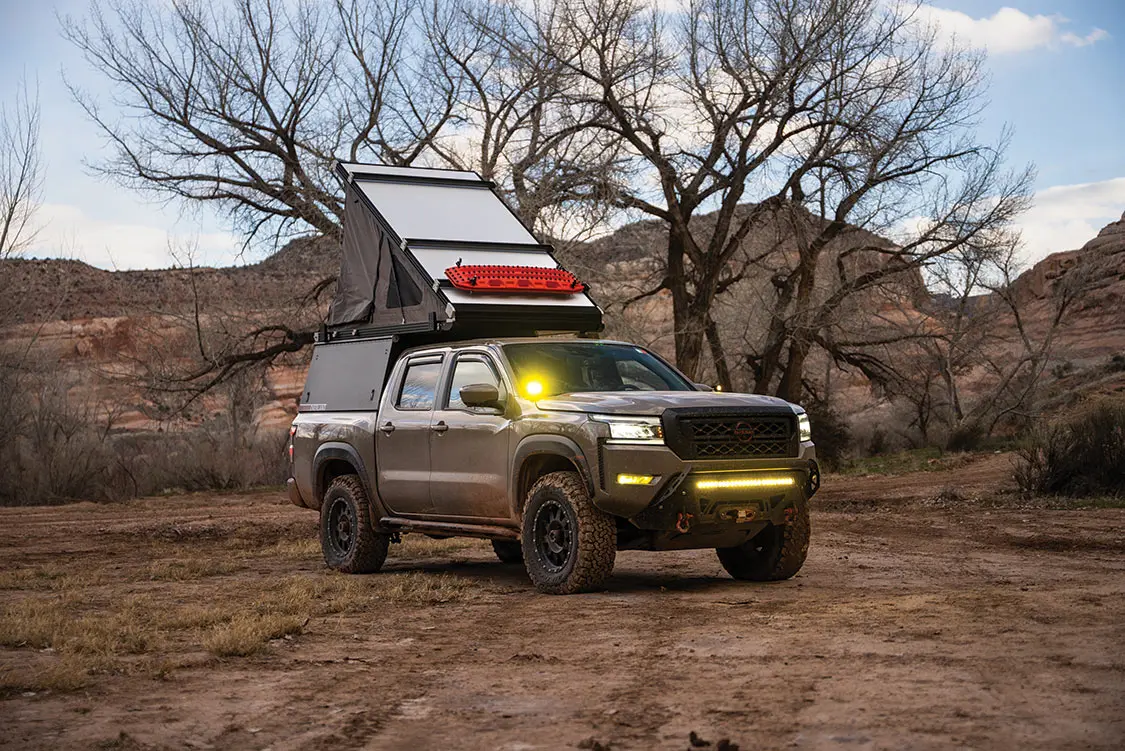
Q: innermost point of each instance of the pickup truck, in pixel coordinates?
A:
(561, 451)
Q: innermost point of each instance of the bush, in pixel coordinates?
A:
(1081, 455)
(830, 433)
(59, 448)
(966, 437)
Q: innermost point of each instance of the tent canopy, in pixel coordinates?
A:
(404, 226)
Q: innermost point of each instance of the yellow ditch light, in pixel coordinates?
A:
(739, 483)
(636, 479)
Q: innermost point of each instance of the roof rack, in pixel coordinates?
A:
(406, 227)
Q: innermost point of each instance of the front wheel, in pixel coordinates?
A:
(569, 545)
(777, 552)
(347, 537)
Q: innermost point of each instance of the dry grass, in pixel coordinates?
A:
(249, 634)
(73, 623)
(420, 546)
(187, 569)
(56, 623)
(299, 550)
(417, 588)
(66, 673)
(47, 578)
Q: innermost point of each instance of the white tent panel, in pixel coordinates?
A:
(422, 172)
(461, 298)
(435, 262)
(445, 212)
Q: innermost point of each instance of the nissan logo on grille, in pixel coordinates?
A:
(744, 432)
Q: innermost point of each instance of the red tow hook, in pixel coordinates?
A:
(683, 522)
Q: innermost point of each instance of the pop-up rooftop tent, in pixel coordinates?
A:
(438, 252)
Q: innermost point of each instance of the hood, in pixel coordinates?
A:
(653, 402)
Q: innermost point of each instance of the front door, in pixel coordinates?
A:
(402, 437)
(469, 455)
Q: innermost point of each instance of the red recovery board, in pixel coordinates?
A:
(514, 279)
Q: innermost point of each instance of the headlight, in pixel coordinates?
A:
(804, 427)
(632, 429)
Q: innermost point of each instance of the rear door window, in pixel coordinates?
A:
(419, 385)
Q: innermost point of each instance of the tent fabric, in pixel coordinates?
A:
(359, 267)
(377, 286)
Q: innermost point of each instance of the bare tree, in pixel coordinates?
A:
(21, 172)
(245, 104)
(514, 126)
(988, 346)
(849, 109)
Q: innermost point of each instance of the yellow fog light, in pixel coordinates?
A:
(635, 479)
(736, 483)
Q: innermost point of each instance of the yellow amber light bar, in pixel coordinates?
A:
(746, 482)
(533, 388)
(636, 479)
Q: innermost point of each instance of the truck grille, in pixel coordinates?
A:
(695, 435)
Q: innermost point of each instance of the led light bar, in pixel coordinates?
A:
(746, 482)
(635, 479)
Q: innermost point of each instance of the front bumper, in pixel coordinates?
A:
(702, 496)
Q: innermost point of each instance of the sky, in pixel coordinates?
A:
(1056, 69)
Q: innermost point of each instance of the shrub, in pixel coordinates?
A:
(966, 437)
(830, 433)
(1080, 455)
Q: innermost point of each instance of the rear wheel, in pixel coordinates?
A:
(569, 545)
(347, 537)
(777, 552)
(508, 551)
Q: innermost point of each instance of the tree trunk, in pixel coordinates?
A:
(791, 386)
(718, 356)
(689, 324)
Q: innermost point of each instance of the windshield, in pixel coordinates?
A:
(547, 368)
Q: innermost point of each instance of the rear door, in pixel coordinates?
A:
(470, 456)
(403, 436)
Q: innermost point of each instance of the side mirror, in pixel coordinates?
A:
(481, 395)
(703, 387)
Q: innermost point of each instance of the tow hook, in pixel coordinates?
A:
(790, 513)
(683, 522)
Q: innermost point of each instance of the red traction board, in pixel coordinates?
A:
(514, 279)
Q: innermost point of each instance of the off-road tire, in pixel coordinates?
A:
(775, 553)
(358, 549)
(591, 545)
(508, 551)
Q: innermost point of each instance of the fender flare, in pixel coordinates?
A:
(343, 451)
(552, 445)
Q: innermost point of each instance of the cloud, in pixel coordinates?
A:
(1008, 30)
(1065, 217)
(66, 231)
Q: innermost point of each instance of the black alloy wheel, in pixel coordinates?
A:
(555, 539)
(341, 527)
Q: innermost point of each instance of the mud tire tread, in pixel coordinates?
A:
(780, 560)
(597, 538)
(370, 550)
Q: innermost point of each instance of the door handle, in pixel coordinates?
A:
(387, 428)
(440, 427)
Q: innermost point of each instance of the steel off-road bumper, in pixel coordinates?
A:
(695, 504)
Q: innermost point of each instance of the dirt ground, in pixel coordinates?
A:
(928, 615)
